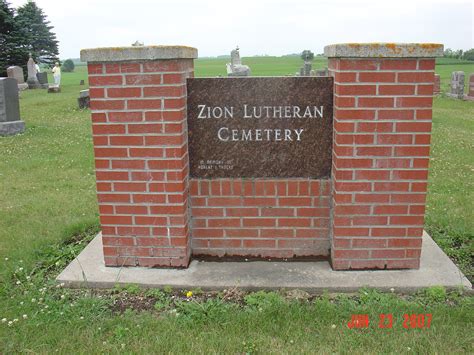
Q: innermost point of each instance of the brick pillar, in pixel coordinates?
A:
(382, 128)
(138, 104)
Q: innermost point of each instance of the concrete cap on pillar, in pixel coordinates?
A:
(118, 54)
(384, 50)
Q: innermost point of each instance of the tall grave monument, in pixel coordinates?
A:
(33, 82)
(457, 85)
(235, 67)
(307, 57)
(10, 122)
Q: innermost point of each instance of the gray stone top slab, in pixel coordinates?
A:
(118, 54)
(384, 50)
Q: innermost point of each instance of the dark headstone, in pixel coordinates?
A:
(322, 72)
(43, 79)
(260, 127)
(82, 82)
(84, 99)
(10, 122)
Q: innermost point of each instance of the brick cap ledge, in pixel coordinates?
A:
(384, 50)
(119, 54)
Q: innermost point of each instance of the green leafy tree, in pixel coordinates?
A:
(68, 66)
(469, 55)
(39, 39)
(307, 55)
(7, 26)
(12, 50)
(448, 53)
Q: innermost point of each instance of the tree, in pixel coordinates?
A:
(448, 53)
(469, 55)
(39, 40)
(68, 66)
(11, 43)
(7, 26)
(307, 55)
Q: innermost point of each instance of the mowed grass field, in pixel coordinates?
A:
(47, 195)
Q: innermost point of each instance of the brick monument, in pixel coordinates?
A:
(366, 213)
(382, 131)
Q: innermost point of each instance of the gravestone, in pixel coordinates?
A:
(470, 94)
(306, 70)
(260, 127)
(235, 57)
(437, 84)
(32, 80)
(235, 67)
(84, 99)
(54, 89)
(81, 82)
(16, 73)
(43, 79)
(10, 122)
(322, 72)
(457, 85)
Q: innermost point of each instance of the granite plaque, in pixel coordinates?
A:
(10, 122)
(273, 127)
(9, 104)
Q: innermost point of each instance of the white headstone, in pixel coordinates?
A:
(457, 85)
(235, 67)
(16, 73)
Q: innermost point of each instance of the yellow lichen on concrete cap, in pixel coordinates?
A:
(384, 50)
(117, 54)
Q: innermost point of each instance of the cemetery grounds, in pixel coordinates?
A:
(48, 213)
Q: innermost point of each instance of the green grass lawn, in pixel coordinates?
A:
(260, 66)
(48, 194)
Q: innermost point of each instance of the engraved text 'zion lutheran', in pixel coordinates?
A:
(277, 112)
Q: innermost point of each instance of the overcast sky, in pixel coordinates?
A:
(273, 27)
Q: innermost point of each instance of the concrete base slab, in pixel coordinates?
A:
(454, 96)
(11, 128)
(88, 270)
(53, 89)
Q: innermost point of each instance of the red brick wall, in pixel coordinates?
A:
(140, 145)
(382, 126)
(370, 213)
(260, 217)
